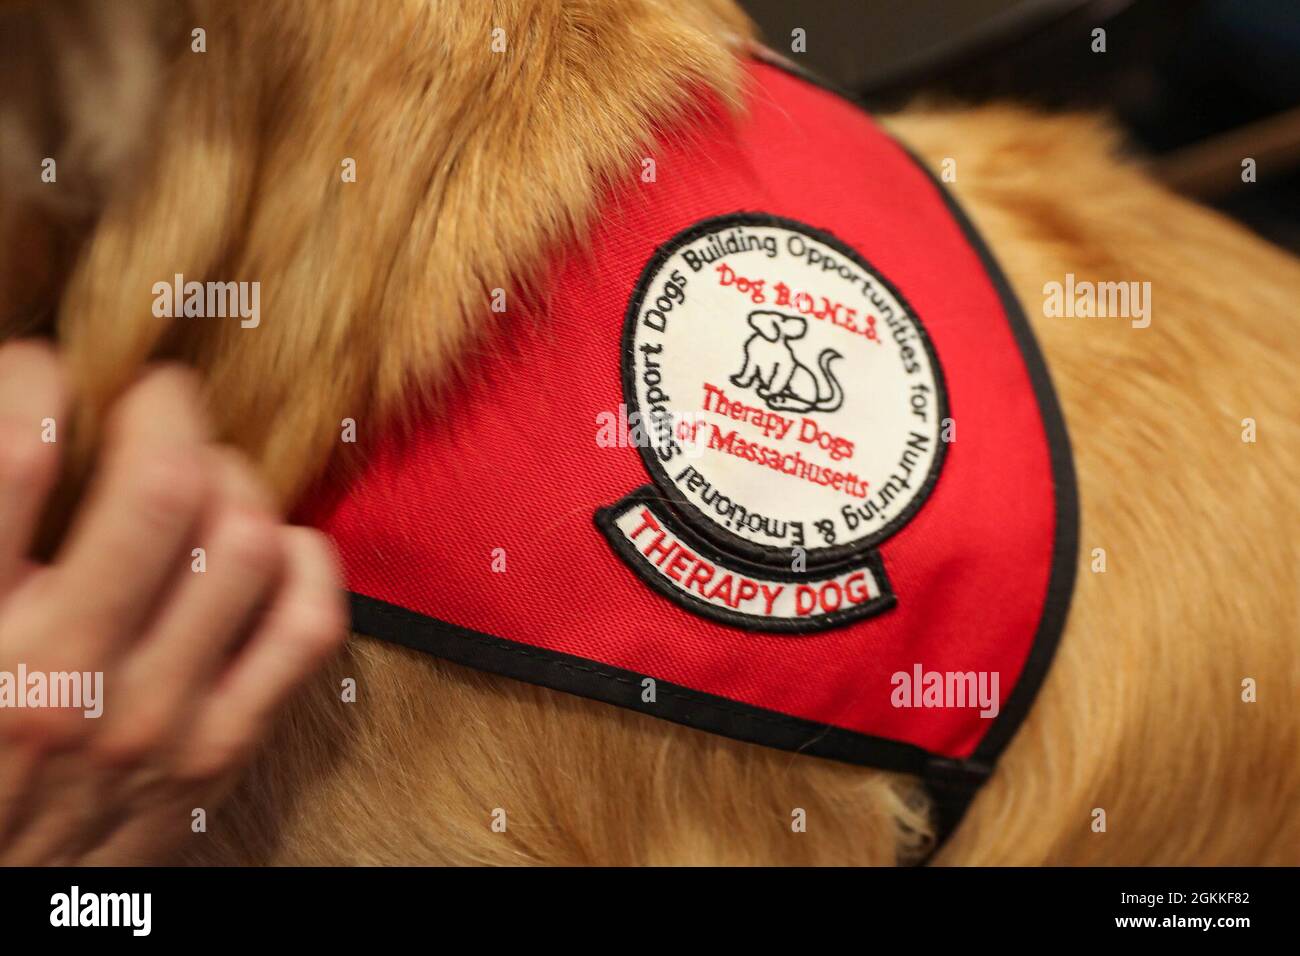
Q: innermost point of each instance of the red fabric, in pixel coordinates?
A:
(514, 463)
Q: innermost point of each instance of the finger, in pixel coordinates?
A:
(212, 608)
(32, 395)
(140, 513)
(305, 624)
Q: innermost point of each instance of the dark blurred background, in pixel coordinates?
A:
(1198, 84)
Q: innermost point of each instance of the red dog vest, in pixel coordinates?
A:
(779, 460)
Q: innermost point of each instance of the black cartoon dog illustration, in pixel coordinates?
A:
(784, 383)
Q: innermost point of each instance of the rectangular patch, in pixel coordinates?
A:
(684, 568)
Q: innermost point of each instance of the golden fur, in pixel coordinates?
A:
(472, 165)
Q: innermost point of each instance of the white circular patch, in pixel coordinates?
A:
(788, 396)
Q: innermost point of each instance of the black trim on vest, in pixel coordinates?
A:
(951, 783)
(614, 685)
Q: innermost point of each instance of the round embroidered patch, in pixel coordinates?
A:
(789, 407)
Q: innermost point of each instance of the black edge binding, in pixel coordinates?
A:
(614, 685)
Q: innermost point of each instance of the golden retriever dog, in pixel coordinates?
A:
(207, 138)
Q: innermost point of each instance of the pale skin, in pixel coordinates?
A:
(195, 664)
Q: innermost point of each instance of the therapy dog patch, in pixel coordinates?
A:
(773, 454)
(790, 408)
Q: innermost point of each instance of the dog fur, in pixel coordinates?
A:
(473, 167)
